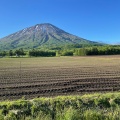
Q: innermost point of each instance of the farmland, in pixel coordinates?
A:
(53, 76)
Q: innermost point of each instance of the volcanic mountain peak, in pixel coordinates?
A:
(42, 28)
(40, 35)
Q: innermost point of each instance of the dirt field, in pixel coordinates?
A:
(52, 76)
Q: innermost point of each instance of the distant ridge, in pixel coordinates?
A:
(40, 35)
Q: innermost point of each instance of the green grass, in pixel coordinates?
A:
(85, 107)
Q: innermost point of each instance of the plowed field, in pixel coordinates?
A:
(52, 76)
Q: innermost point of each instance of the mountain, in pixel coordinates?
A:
(40, 35)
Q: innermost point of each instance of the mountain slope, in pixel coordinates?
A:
(40, 35)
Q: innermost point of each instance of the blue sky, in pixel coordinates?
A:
(96, 20)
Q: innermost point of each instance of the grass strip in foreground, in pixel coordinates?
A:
(86, 107)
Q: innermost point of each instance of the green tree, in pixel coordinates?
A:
(19, 52)
(10, 53)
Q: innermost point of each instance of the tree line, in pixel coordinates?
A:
(17, 53)
(21, 52)
(100, 50)
(38, 53)
(95, 50)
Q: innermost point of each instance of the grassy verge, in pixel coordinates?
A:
(85, 107)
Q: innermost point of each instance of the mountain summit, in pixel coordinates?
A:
(40, 35)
